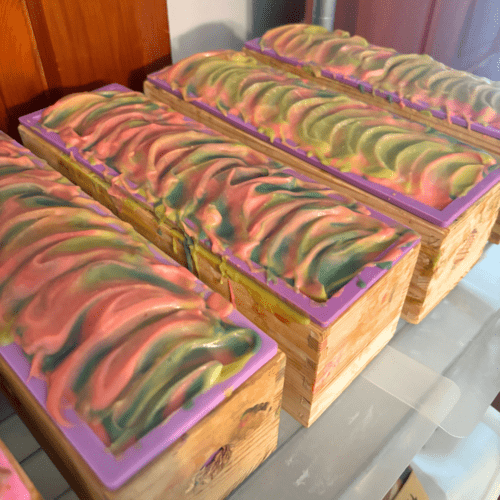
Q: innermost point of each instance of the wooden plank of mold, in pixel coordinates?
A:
(349, 344)
(481, 141)
(495, 232)
(308, 408)
(321, 361)
(446, 254)
(33, 492)
(207, 462)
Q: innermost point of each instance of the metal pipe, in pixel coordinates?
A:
(324, 13)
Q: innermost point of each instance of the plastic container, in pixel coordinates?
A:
(440, 374)
(462, 469)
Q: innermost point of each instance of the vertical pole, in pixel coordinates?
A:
(323, 13)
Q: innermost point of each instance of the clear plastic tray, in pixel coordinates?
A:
(442, 373)
(474, 463)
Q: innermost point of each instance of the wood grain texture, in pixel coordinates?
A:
(112, 41)
(50, 48)
(22, 79)
(207, 462)
(321, 362)
(446, 254)
(495, 232)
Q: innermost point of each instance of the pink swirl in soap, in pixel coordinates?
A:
(11, 485)
(222, 192)
(416, 77)
(340, 132)
(117, 335)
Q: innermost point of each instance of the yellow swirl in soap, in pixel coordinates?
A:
(416, 77)
(223, 192)
(123, 338)
(340, 132)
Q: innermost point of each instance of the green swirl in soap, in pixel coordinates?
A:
(340, 132)
(124, 338)
(222, 192)
(416, 77)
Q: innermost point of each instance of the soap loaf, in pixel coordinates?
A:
(456, 102)
(444, 189)
(416, 86)
(113, 351)
(296, 258)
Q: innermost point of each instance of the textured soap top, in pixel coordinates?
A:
(416, 77)
(341, 132)
(224, 193)
(119, 333)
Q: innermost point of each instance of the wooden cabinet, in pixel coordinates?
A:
(49, 48)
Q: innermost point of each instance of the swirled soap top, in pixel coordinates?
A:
(340, 132)
(224, 193)
(119, 333)
(416, 77)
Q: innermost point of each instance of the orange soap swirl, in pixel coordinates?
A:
(341, 132)
(416, 77)
(222, 192)
(119, 333)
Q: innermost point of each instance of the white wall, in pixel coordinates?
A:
(200, 25)
(203, 25)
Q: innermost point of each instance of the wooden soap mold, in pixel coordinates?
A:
(446, 254)
(84, 443)
(321, 362)
(207, 462)
(463, 134)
